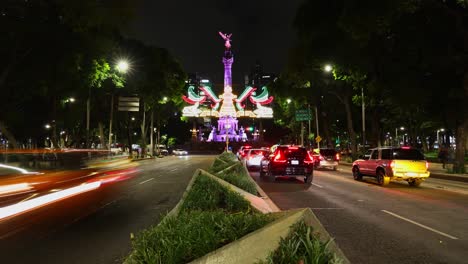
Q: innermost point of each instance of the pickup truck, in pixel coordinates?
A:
(392, 163)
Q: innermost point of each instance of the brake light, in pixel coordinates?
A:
(321, 157)
(427, 165)
(337, 156)
(405, 147)
(392, 164)
(309, 159)
(279, 157)
(293, 147)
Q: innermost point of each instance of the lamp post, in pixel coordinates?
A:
(438, 139)
(396, 135)
(122, 67)
(227, 127)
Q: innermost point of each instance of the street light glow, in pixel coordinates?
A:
(47, 126)
(71, 99)
(288, 101)
(328, 68)
(122, 66)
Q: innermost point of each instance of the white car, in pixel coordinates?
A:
(179, 152)
(253, 158)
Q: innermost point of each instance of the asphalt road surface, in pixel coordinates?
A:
(95, 227)
(373, 224)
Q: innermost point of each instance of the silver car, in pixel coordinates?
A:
(180, 152)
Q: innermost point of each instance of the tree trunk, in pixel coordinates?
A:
(459, 162)
(352, 133)
(101, 135)
(143, 132)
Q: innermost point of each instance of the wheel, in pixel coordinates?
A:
(262, 173)
(334, 168)
(357, 174)
(308, 179)
(270, 175)
(415, 182)
(382, 179)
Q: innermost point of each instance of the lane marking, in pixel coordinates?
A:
(146, 181)
(420, 225)
(331, 208)
(27, 198)
(320, 186)
(173, 169)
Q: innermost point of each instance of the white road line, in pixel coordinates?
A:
(28, 197)
(146, 181)
(332, 208)
(173, 169)
(421, 225)
(320, 186)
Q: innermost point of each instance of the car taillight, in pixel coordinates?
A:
(427, 165)
(309, 159)
(279, 157)
(392, 164)
(321, 157)
(337, 156)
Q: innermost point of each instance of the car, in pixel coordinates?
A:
(242, 151)
(180, 152)
(161, 150)
(288, 161)
(253, 158)
(392, 163)
(326, 158)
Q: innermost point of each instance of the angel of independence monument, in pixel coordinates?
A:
(228, 107)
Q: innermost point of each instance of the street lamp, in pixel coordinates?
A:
(47, 126)
(396, 135)
(438, 139)
(328, 68)
(288, 101)
(122, 67)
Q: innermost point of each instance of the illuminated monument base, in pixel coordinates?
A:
(227, 127)
(228, 107)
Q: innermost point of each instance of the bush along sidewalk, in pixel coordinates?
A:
(217, 222)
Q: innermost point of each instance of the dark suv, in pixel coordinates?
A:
(289, 161)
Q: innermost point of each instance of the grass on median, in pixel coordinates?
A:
(211, 217)
(301, 247)
(238, 176)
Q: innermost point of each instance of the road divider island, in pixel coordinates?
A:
(224, 217)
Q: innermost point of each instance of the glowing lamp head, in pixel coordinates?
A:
(122, 66)
(328, 68)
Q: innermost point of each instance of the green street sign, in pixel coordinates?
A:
(303, 115)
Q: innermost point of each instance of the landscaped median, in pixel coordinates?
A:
(221, 219)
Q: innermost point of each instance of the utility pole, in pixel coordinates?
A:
(363, 119)
(317, 125)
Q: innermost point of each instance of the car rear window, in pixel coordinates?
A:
(294, 152)
(407, 154)
(327, 152)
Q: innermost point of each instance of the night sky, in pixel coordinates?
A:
(261, 30)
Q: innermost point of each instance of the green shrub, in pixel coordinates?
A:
(301, 247)
(218, 165)
(237, 176)
(191, 235)
(207, 194)
(228, 157)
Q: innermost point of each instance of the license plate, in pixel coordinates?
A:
(411, 174)
(294, 162)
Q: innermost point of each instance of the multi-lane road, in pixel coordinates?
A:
(371, 224)
(95, 227)
(374, 224)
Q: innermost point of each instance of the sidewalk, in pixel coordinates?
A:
(437, 172)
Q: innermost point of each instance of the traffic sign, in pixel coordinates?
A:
(303, 115)
(130, 104)
(318, 139)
